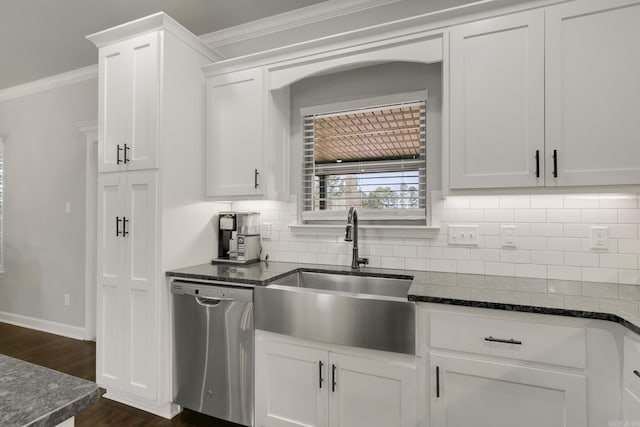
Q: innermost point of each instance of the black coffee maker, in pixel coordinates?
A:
(226, 227)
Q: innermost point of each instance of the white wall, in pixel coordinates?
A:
(44, 169)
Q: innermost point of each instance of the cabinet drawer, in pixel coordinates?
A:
(558, 345)
(630, 378)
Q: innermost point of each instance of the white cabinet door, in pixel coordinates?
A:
(593, 93)
(141, 358)
(129, 104)
(472, 392)
(126, 358)
(291, 385)
(497, 102)
(376, 392)
(110, 296)
(236, 134)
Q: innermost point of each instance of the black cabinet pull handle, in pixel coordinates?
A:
(437, 381)
(636, 373)
(255, 178)
(118, 150)
(537, 163)
(126, 149)
(555, 163)
(124, 226)
(509, 341)
(320, 371)
(333, 377)
(118, 226)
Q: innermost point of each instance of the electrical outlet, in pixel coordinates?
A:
(464, 235)
(508, 236)
(265, 231)
(599, 237)
(67, 300)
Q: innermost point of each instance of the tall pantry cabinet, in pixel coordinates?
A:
(151, 214)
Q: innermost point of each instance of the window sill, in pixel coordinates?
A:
(369, 231)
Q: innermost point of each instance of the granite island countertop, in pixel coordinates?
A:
(592, 300)
(35, 396)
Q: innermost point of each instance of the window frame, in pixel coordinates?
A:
(404, 217)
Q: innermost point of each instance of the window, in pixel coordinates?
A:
(371, 157)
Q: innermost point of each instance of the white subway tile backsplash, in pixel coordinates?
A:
(470, 267)
(547, 230)
(485, 255)
(605, 275)
(581, 303)
(386, 262)
(445, 265)
(404, 251)
(629, 277)
(530, 215)
(547, 257)
(626, 261)
(563, 215)
(541, 201)
(421, 264)
(629, 216)
(563, 272)
(629, 246)
(536, 243)
(581, 201)
(616, 306)
(500, 269)
(515, 202)
(623, 231)
(470, 215)
(600, 216)
(621, 201)
(576, 230)
(484, 202)
(564, 244)
(515, 256)
(531, 270)
(457, 253)
(581, 259)
(430, 252)
(602, 290)
(547, 300)
(499, 215)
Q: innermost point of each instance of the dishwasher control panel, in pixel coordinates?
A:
(211, 291)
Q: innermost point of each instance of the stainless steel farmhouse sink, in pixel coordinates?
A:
(360, 310)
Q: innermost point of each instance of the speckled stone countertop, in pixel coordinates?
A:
(591, 300)
(34, 396)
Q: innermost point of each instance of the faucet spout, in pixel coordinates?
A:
(351, 235)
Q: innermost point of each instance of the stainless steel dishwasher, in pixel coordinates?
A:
(213, 349)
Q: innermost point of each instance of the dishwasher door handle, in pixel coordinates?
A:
(211, 302)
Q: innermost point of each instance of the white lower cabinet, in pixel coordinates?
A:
(474, 392)
(304, 383)
(126, 307)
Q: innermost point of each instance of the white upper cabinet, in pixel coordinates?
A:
(593, 93)
(497, 102)
(247, 137)
(129, 104)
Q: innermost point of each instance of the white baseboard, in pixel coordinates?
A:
(167, 410)
(56, 328)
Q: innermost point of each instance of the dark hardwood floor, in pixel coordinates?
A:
(78, 358)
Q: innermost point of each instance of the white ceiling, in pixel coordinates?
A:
(40, 38)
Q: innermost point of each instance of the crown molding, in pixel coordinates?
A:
(292, 19)
(90, 129)
(51, 82)
(155, 22)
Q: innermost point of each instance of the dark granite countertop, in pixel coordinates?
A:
(31, 395)
(544, 296)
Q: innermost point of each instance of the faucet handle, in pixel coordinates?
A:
(364, 261)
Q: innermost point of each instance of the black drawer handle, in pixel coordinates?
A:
(118, 150)
(118, 225)
(637, 374)
(320, 372)
(555, 163)
(333, 377)
(437, 381)
(537, 163)
(509, 341)
(126, 150)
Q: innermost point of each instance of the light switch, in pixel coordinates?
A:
(508, 236)
(464, 235)
(265, 231)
